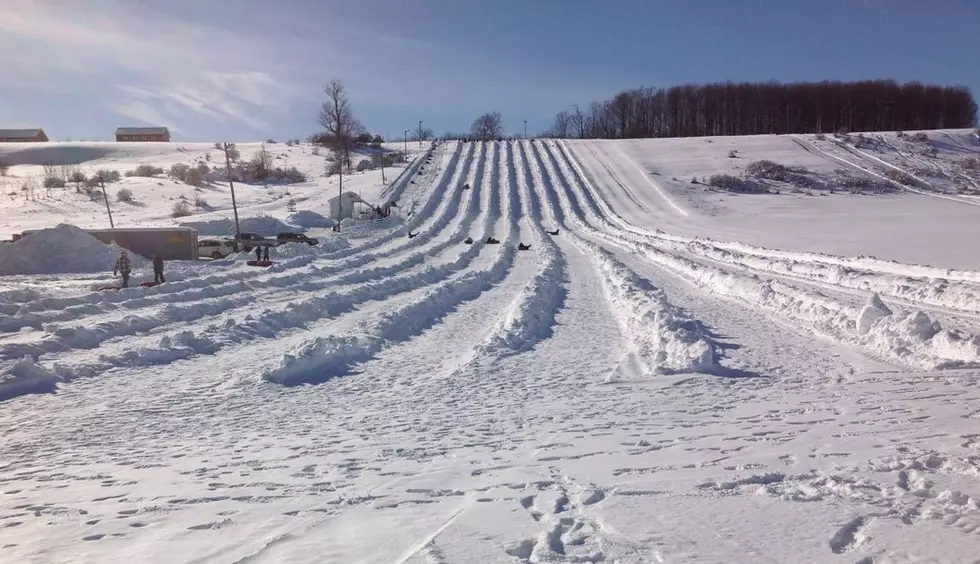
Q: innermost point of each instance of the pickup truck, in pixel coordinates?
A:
(284, 238)
(252, 240)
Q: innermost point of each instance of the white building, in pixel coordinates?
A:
(343, 205)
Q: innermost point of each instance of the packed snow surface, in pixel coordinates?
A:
(663, 372)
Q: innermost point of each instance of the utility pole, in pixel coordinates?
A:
(420, 133)
(525, 130)
(234, 204)
(340, 190)
(106, 197)
(406, 144)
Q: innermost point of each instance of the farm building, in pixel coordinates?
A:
(160, 134)
(22, 136)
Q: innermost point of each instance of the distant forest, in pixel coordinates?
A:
(770, 108)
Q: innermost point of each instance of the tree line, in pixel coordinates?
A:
(770, 108)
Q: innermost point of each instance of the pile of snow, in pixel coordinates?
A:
(59, 250)
(262, 224)
(25, 377)
(310, 220)
(665, 340)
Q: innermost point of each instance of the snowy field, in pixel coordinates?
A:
(671, 372)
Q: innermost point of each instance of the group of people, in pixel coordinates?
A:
(124, 267)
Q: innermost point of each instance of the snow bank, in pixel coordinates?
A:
(310, 220)
(60, 250)
(25, 377)
(262, 224)
(321, 358)
(910, 338)
(962, 294)
(665, 340)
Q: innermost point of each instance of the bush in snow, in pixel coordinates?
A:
(860, 184)
(124, 195)
(54, 182)
(200, 202)
(726, 182)
(971, 164)
(769, 170)
(181, 209)
(900, 177)
(78, 178)
(145, 171)
(821, 137)
(179, 171)
(733, 154)
(920, 137)
(366, 164)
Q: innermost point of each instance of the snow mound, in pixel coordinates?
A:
(26, 377)
(310, 219)
(665, 340)
(262, 224)
(60, 250)
(531, 317)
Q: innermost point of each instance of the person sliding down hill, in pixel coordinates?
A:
(123, 267)
(158, 269)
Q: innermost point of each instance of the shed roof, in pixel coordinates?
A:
(349, 196)
(21, 132)
(141, 130)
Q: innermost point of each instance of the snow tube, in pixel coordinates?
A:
(149, 284)
(104, 288)
(259, 263)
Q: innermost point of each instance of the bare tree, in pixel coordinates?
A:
(563, 123)
(488, 126)
(423, 134)
(337, 118)
(577, 121)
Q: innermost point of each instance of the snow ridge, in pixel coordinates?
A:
(531, 316)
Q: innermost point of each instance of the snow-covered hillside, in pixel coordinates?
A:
(153, 198)
(668, 373)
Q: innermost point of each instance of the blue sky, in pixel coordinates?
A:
(251, 69)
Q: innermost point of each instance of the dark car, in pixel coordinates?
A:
(252, 240)
(284, 238)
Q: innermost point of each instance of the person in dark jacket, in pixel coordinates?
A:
(265, 253)
(158, 269)
(123, 267)
(258, 253)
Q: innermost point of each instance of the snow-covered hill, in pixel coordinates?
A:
(668, 373)
(153, 198)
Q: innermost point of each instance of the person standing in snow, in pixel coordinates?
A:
(123, 267)
(158, 269)
(258, 253)
(265, 253)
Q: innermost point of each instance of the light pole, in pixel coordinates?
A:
(406, 144)
(420, 133)
(234, 205)
(525, 130)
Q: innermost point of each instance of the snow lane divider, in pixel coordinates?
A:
(321, 358)
(531, 316)
(20, 373)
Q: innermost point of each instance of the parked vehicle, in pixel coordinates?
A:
(252, 240)
(284, 238)
(215, 248)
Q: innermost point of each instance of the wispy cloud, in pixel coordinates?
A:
(155, 68)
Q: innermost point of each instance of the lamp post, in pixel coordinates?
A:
(525, 130)
(234, 205)
(420, 133)
(405, 140)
